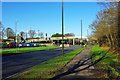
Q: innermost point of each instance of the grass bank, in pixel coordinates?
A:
(106, 63)
(50, 68)
(7, 52)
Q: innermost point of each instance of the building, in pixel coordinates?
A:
(58, 40)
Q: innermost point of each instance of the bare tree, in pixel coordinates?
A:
(32, 33)
(2, 31)
(105, 27)
(22, 34)
(10, 33)
(41, 35)
(69, 34)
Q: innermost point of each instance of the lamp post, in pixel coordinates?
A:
(62, 32)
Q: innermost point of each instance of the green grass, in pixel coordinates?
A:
(106, 61)
(6, 52)
(48, 69)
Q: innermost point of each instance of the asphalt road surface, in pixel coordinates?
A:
(15, 64)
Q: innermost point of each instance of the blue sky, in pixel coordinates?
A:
(47, 16)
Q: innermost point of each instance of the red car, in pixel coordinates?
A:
(11, 45)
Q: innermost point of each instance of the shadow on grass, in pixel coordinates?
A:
(79, 64)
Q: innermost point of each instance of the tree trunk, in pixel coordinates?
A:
(112, 40)
(109, 40)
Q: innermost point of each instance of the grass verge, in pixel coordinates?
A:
(49, 68)
(106, 63)
(7, 52)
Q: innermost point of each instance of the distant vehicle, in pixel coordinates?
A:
(3, 45)
(11, 45)
(36, 44)
(22, 45)
(29, 44)
(15, 44)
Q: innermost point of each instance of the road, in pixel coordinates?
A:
(15, 64)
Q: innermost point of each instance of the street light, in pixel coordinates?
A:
(62, 32)
(16, 32)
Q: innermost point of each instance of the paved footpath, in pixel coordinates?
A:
(79, 68)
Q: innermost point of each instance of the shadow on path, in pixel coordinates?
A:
(79, 64)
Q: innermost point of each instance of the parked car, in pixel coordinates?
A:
(11, 45)
(36, 45)
(29, 44)
(22, 45)
(3, 45)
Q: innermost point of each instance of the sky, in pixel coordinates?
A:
(47, 16)
(58, 0)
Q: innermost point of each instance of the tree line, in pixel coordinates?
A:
(10, 33)
(105, 28)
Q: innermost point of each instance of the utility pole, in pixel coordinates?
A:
(62, 32)
(81, 30)
(87, 33)
(16, 32)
